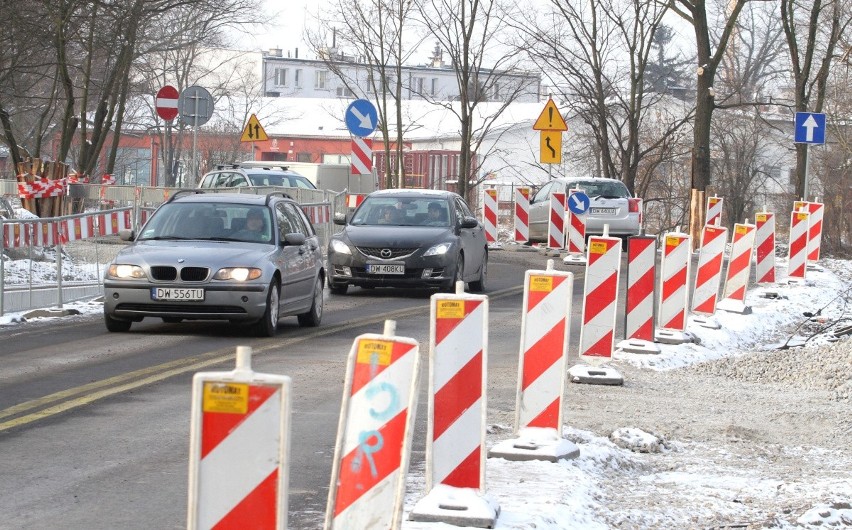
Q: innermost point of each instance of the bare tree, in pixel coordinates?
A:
(813, 29)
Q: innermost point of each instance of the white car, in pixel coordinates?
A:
(611, 203)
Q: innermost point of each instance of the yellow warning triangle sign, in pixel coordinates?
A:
(550, 119)
(253, 131)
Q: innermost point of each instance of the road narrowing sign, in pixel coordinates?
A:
(253, 131)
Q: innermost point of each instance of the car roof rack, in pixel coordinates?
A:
(239, 165)
(178, 193)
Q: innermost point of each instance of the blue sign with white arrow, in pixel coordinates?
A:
(578, 203)
(810, 128)
(361, 118)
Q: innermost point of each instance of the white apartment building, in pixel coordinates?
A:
(317, 78)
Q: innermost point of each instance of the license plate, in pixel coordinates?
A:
(385, 269)
(603, 211)
(172, 294)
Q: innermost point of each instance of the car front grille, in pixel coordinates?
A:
(165, 273)
(395, 253)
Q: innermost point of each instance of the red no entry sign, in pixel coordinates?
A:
(166, 102)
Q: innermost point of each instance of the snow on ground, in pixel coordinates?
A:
(707, 482)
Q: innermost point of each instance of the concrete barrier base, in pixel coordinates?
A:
(673, 336)
(456, 506)
(705, 321)
(595, 375)
(637, 346)
(574, 259)
(535, 443)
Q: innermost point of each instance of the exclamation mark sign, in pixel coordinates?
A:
(550, 115)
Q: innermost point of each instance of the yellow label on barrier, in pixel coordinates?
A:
(741, 229)
(450, 309)
(672, 241)
(374, 351)
(762, 217)
(597, 247)
(231, 398)
(801, 216)
(541, 283)
(800, 205)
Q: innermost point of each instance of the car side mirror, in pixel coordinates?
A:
(126, 234)
(469, 222)
(339, 219)
(294, 239)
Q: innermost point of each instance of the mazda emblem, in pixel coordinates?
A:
(386, 253)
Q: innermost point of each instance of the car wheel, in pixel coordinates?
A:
(313, 317)
(172, 320)
(268, 324)
(457, 277)
(116, 325)
(338, 288)
(479, 285)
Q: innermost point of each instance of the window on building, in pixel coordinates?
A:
(321, 79)
(418, 84)
(280, 77)
(297, 78)
(434, 90)
(303, 157)
(343, 92)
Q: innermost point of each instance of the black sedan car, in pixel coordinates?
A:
(409, 238)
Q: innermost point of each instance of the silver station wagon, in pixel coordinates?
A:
(247, 259)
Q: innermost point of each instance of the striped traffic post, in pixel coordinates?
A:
(816, 211)
(764, 241)
(708, 277)
(545, 325)
(739, 270)
(714, 211)
(455, 439)
(522, 214)
(239, 448)
(353, 200)
(674, 271)
(489, 215)
(797, 257)
(556, 222)
(374, 434)
(362, 156)
(576, 233)
(639, 312)
(600, 296)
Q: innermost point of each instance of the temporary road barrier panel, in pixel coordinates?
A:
(797, 257)
(556, 223)
(455, 441)
(362, 156)
(522, 215)
(542, 369)
(639, 314)
(816, 209)
(353, 200)
(46, 232)
(765, 247)
(674, 271)
(374, 435)
(239, 448)
(739, 269)
(708, 278)
(318, 214)
(714, 211)
(576, 229)
(489, 215)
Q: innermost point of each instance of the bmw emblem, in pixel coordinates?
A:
(181, 260)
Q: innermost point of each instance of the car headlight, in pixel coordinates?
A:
(438, 250)
(239, 274)
(340, 247)
(126, 272)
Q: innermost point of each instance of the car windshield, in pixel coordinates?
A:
(407, 211)
(287, 181)
(607, 189)
(209, 221)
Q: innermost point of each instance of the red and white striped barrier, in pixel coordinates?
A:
(797, 257)
(44, 233)
(353, 200)
(817, 210)
(318, 214)
(41, 187)
(600, 294)
(739, 269)
(374, 435)
(455, 441)
(239, 448)
(576, 234)
(708, 278)
(639, 313)
(522, 215)
(362, 156)
(542, 369)
(765, 247)
(489, 215)
(77, 228)
(674, 272)
(714, 211)
(556, 221)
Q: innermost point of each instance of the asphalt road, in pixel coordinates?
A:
(94, 426)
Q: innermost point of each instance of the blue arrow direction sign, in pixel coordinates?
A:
(361, 117)
(578, 203)
(810, 128)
